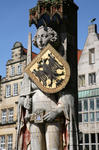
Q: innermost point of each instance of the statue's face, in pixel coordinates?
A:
(42, 38)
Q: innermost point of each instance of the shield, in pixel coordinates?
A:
(49, 71)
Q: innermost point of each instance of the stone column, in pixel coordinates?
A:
(29, 52)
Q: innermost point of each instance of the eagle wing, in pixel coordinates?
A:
(41, 76)
(54, 65)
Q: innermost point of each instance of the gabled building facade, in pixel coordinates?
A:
(88, 91)
(9, 94)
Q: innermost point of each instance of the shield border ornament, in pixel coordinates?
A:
(60, 59)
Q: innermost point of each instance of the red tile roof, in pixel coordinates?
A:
(79, 54)
(33, 54)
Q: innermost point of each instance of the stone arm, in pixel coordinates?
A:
(66, 102)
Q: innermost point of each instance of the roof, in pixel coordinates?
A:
(79, 54)
(33, 54)
(17, 44)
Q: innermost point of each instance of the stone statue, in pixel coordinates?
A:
(44, 36)
(57, 109)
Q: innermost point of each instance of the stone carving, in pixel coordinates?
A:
(45, 35)
(50, 116)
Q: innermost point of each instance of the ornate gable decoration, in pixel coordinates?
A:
(49, 71)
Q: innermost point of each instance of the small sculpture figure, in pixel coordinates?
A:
(44, 36)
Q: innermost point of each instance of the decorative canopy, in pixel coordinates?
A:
(48, 12)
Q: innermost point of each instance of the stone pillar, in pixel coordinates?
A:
(29, 52)
(69, 29)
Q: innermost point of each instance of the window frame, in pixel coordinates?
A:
(92, 78)
(97, 103)
(8, 91)
(91, 104)
(91, 56)
(92, 117)
(4, 116)
(10, 115)
(9, 142)
(19, 69)
(81, 80)
(12, 71)
(15, 89)
(84, 119)
(2, 144)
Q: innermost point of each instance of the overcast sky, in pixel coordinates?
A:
(14, 17)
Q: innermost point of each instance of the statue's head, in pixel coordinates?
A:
(44, 35)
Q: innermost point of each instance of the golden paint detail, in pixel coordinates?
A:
(49, 71)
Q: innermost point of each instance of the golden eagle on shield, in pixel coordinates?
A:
(49, 71)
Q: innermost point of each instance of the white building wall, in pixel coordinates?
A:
(84, 68)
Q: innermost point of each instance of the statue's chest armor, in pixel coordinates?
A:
(42, 101)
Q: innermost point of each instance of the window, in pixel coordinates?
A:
(2, 142)
(80, 137)
(81, 80)
(15, 89)
(12, 71)
(85, 105)
(10, 115)
(92, 78)
(4, 113)
(19, 68)
(97, 103)
(92, 116)
(86, 117)
(98, 137)
(91, 104)
(9, 142)
(8, 90)
(93, 139)
(80, 117)
(81, 147)
(86, 138)
(90, 141)
(92, 56)
(80, 106)
(97, 116)
(86, 147)
(93, 147)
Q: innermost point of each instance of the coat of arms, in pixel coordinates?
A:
(49, 71)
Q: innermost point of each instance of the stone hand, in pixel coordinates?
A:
(50, 116)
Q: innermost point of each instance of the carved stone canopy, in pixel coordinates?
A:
(48, 12)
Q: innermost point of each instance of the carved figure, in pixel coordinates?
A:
(50, 115)
(43, 36)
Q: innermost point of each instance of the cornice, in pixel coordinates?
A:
(9, 80)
